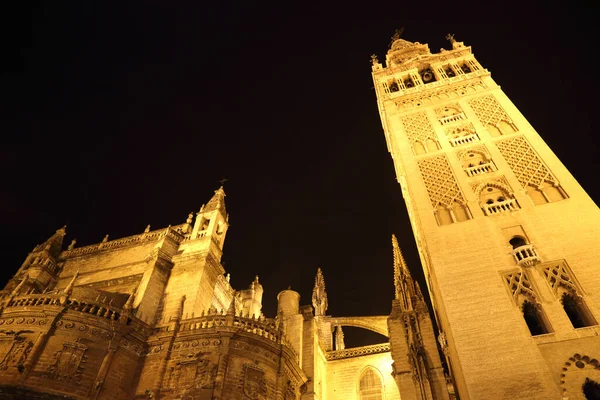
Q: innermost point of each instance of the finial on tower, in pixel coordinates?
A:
(374, 59)
(319, 296)
(450, 38)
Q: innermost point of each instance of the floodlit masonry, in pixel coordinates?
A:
(153, 316)
(508, 240)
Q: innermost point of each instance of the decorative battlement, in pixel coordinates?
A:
(174, 232)
(357, 351)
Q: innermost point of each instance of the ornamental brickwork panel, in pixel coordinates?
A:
(489, 111)
(418, 127)
(525, 163)
(440, 182)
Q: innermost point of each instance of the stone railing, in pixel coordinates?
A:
(170, 232)
(499, 207)
(97, 309)
(480, 169)
(459, 141)
(452, 118)
(357, 351)
(264, 328)
(525, 255)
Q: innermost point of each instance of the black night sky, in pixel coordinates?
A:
(119, 116)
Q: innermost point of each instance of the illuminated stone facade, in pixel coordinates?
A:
(509, 241)
(154, 316)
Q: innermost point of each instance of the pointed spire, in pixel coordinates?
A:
(403, 281)
(339, 338)
(69, 289)
(319, 296)
(400, 267)
(54, 244)
(129, 303)
(231, 310)
(217, 202)
(17, 289)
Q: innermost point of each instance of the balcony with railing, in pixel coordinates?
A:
(500, 207)
(525, 255)
(459, 141)
(480, 169)
(452, 118)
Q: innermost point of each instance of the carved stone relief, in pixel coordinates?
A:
(69, 362)
(190, 377)
(255, 383)
(13, 351)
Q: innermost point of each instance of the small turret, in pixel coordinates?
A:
(407, 289)
(211, 222)
(41, 265)
(252, 299)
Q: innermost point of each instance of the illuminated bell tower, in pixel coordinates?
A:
(509, 241)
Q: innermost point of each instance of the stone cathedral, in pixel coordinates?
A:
(507, 240)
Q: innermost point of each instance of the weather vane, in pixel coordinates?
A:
(398, 33)
(223, 180)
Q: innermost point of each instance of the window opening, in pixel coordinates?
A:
(576, 311)
(517, 242)
(370, 387)
(591, 389)
(533, 319)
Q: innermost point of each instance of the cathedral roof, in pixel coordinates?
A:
(217, 202)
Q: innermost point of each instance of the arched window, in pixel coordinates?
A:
(370, 387)
(496, 199)
(533, 318)
(517, 241)
(591, 389)
(576, 311)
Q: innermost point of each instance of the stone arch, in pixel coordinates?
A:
(369, 384)
(376, 324)
(495, 198)
(419, 147)
(574, 373)
(468, 161)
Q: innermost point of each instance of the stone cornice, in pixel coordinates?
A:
(146, 237)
